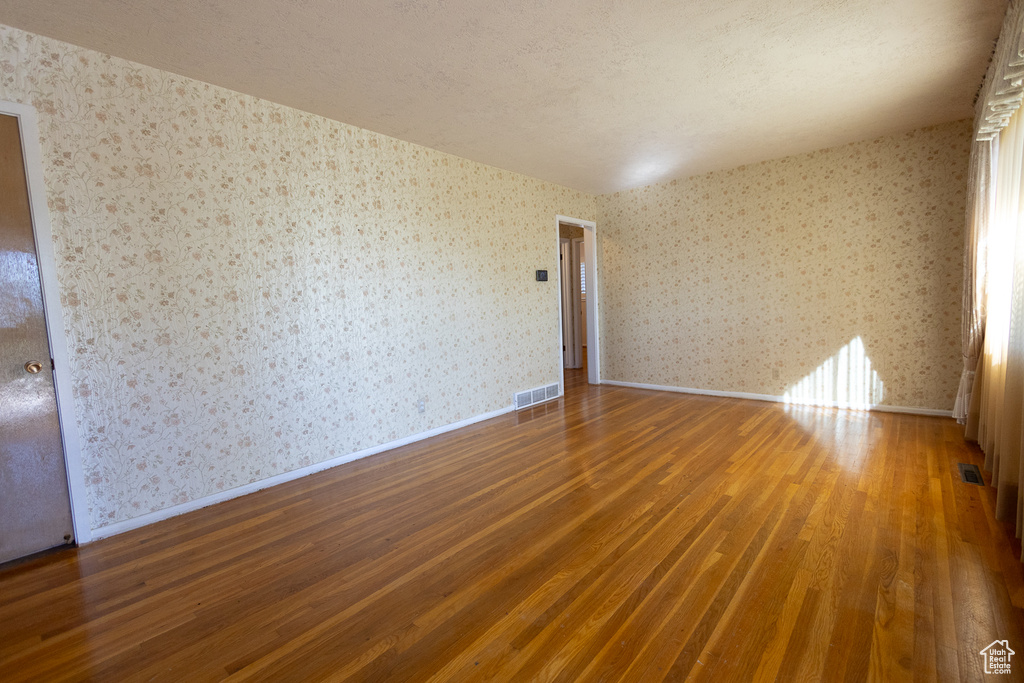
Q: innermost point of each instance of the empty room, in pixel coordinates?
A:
(620, 341)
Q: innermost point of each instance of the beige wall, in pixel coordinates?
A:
(725, 280)
(569, 232)
(249, 289)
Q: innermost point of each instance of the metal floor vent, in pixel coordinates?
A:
(532, 397)
(970, 474)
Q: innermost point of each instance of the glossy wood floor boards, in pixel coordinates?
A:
(617, 534)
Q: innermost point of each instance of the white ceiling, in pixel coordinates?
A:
(599, 95)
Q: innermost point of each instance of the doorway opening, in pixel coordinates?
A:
(578, 342)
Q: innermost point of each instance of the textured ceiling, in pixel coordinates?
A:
(598, 95)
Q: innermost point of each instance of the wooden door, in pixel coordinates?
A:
(35, 505)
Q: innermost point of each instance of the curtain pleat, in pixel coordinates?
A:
(980, 197)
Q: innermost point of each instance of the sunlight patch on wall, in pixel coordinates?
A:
(846, 380)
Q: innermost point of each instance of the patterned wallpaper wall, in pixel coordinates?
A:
(830, 276)
(249, 289)
(570, 231)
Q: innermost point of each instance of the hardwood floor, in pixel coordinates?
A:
(617, 534)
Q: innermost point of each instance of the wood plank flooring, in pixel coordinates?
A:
(617, 534)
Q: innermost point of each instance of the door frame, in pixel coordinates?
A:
(50, 285)
(593, 338)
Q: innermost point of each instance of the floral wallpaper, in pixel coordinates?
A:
(249, 289)
(796, 273)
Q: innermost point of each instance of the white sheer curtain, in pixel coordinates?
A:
(998, 420)
(991, 397)
(980, 198)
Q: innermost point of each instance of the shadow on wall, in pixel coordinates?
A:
(846, 380)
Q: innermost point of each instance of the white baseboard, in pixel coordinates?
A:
(778, 399)
(221, 496)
